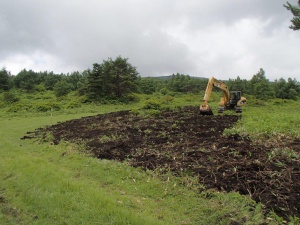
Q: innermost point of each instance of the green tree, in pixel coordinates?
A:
(260, 86)
(238, 84)
(4, 80)
(82, 83)
(124, 77)
(74, 78)
(50, 79)
(62, 88)
(112, 79)
(296, 13)
(201, 84)
(95, 82)
(193, 85)
(280, 88)
(287, 90)
(181, 83)
(294, 86)
(147, 85)
(26, 80)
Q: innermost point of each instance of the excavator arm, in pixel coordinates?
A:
(212, 82)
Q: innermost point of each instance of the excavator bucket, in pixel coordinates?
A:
(206, 110)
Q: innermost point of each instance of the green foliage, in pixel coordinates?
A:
(62, 88)
(260, 87)
(19, 107)
(26, 80)
(296, 13)
(23, 106)
(4, 80)
(129, 98)
(74, 104)
(238, 85)
(147, 85)
(76, 78)
(81, 85)
(82, 88)
(10, 97)
(164, 91)
(96, 83)
(44, 107)
(185, 84)
(50, 79)
(152, 104)
(40, 88)
(287, 90)
(124, 76)
(112, 79)
(167, 99)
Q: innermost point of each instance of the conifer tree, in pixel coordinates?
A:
(113, 79)
(4, 79)
(296, 12)
(123, 76)
(260, 87)
(95, 82)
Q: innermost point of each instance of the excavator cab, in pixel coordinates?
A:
(236, 101)
(235, 96)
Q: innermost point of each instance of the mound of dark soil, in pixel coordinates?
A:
(184, 141)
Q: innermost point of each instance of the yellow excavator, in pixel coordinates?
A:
(231, 99)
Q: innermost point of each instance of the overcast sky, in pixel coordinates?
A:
(203, 38)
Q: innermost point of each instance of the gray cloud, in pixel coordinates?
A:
(200, 38)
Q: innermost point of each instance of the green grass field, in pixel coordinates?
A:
(269, 119)
(42, 183)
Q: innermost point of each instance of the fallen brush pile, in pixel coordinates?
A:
(183, 141)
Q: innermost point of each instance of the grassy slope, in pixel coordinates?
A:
(269, 119)
(46, 184)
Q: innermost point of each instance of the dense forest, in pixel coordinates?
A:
(118, 80)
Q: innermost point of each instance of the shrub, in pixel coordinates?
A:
(164, 91)
(44, 107)
(74, 104)
(40, 88)
(152, 104)
(19, 106)
(10, 97)
(129, 98)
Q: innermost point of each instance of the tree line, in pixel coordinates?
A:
(117, 80)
